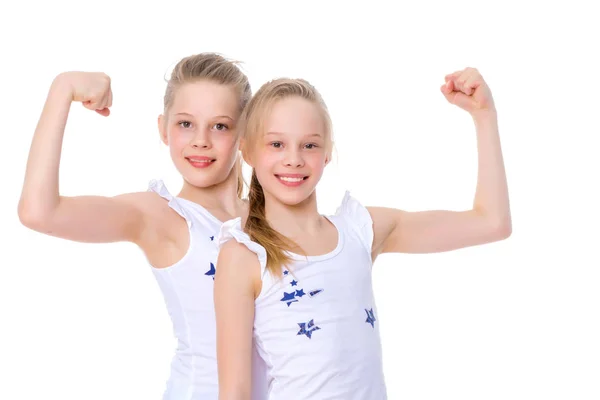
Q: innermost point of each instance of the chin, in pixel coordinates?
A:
(203, 177)
(292, 197)
(201, 180)
(207, 180)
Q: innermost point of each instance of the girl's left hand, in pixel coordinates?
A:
(467, 90)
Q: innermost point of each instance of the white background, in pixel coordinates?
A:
(518, 319)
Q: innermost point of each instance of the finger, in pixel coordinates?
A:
(104, 112)
(461, 82)
(453, 75)
(102, 107)
(110, 99)
(472, 82)
(447, 87)
(95, 104)
(90, 105)
(105, 103)
(464, 101)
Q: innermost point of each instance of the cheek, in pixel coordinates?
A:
(225, 144)
(179, 139)
(266, 161)
(316, 160)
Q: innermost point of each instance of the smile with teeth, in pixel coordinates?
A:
(203, 160)
(200, 162)
(289, 179)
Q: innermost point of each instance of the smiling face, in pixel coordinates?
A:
(292, 152)
(200, 129)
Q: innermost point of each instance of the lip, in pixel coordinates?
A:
(200, 161)
(295, 183)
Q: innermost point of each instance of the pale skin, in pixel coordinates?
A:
(295, 215)
(200, 122)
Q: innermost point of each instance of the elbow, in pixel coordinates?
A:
(501, 228)
(234, 386)
(233, 394)
(32, 217)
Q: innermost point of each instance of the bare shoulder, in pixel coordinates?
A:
(236, 255)
(238, 268)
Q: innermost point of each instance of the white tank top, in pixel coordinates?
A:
(317, 328)
(187, 288)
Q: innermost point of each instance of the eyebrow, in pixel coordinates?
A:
(280, 133)
(190, 115)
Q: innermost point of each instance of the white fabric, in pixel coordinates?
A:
(317, 328)
(187, 288)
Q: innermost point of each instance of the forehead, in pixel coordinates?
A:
(296, 116)
(206, 98)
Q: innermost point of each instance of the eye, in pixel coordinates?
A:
(185, 124)
(276, 145)
(220, 127)
(311, 146)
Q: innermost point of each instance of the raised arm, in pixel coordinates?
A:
(489, 219)
(82, 218)
(236, 286)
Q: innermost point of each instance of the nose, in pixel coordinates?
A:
(293, 159)
(201, 139)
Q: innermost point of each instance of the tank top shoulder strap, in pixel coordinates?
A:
(158, 186)
(357, 218)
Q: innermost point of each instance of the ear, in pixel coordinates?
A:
(162, 129)
(329, 156)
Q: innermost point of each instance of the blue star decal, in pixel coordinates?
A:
(300, 293)
(286, 272)
(289, 298)
(211, 271)
(212, 238)
(294, 283)
(307, 329)
(370, 317)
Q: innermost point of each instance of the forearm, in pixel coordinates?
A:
(40, 194)
(491, 195)
(228, 392)
(234, 294)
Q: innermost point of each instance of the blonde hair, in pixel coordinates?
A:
(252, 125)
(215, 68)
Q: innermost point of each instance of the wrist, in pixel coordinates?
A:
(485, 117)
(62, 87)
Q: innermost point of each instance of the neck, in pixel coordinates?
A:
(221, 199)
(293, 221)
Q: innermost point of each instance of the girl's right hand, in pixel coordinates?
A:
(92, 89)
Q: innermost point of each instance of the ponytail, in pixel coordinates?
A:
(261, 232)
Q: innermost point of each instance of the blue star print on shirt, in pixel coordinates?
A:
(370, 317)
(307, 329)
(300, 293)
(289, 298)
(293, 283)
(212, 238)
(211, 271)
